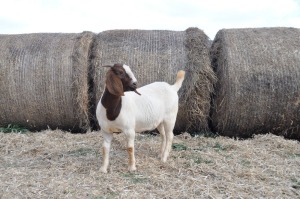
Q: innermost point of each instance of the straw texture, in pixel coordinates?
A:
(157, 55)
(55, 164)
(44, 80)
(259, 81)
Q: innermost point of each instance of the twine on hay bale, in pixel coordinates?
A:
(44, 80)
(259, 81)
(157, 55)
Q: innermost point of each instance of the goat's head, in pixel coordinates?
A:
(119, 79)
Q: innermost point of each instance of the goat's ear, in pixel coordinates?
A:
(114, 84)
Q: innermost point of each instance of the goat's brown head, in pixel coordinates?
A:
(119, 79)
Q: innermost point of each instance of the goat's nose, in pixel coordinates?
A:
(134, 84)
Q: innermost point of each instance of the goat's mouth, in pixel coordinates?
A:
(136, 92)
(133, 88)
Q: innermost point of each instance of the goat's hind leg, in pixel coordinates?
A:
(161, 130)
(168, 127)
(107, 138)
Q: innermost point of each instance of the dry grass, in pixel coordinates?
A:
(44, 80)
(258, 82)
(56, 164)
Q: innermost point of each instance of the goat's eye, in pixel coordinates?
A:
(122, 74)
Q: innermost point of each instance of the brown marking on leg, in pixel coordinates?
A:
(130, 149)
(130, 152)
(103, 152)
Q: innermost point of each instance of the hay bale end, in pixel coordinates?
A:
(44, 80)
(258, 89)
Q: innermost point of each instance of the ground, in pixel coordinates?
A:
(57, 164)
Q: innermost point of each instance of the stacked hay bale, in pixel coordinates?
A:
(259, 82)
(44, 80)
(157, 55)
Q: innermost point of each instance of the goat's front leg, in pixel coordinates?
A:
(107, 138)
(130, 134)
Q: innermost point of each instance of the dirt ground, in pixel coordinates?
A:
(57, 164)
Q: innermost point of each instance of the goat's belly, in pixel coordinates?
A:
(147, 125)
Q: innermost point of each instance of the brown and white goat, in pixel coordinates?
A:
(155, 106)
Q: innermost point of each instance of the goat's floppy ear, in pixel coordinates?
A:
(114, 84)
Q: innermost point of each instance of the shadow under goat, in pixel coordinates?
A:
(152, 106)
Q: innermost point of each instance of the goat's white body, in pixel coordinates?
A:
(158, 102)
(156, 107)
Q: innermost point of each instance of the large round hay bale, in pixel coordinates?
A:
(44, 80)
(157, 55)
(259, 81)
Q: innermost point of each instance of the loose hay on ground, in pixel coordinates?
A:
(62, 165)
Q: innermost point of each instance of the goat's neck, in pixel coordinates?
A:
(112, 103)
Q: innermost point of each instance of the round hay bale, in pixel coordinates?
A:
(157, 55)
(44, 80)
(259, 82)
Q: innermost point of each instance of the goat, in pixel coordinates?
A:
(155, 106)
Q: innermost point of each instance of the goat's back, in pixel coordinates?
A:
(157, 93)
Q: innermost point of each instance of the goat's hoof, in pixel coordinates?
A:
(132, 168)
(164, 160)
(103, 170)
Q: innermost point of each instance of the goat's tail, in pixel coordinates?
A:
(179, 80)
